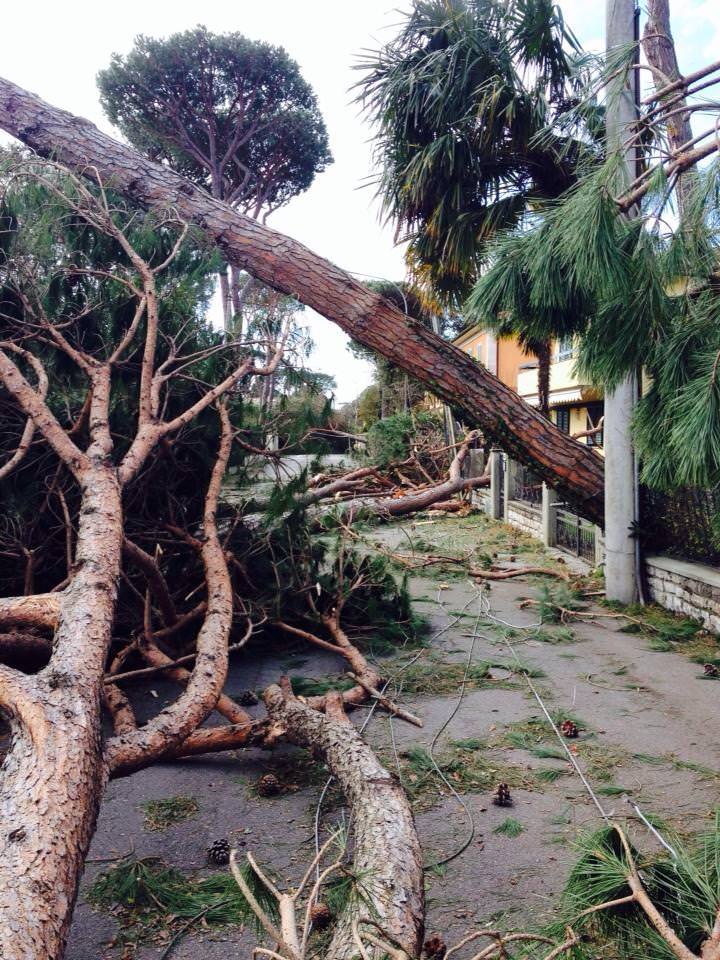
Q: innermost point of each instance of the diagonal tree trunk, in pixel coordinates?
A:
(291, 268)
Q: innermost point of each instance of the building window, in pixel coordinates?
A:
(595, 412)
(565, 348)
(562, 419)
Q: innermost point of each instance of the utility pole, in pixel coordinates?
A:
(621, 566)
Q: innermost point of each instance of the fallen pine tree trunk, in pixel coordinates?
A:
(291, 268)
(386, 847)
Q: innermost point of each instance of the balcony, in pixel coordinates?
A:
(564, 387)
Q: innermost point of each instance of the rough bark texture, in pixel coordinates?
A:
(53, 774)
(291, 268)
(36, 611)
(660, 52)
(387, 851)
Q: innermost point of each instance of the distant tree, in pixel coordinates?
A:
(233, 115)
(368, 407)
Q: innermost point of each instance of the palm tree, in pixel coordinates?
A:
(467, 102)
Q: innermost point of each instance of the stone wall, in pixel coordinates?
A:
(480, 499)
(691, 589)
(526, 517)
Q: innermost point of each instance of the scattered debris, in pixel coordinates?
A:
(268, 785)
(219, 852)
(568, 728)
(321, 915)
(435, 947)
(502, 796)
(509, 828)
(161, 814)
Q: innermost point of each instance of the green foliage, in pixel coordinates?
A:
(685, 891)
(459, 98)
(151, 896)
(391, 439)
(636, 298)
(311, 687)
(368, 410)
(468, 769)
(50, 257)
(197, 96)
(161, 814)
(550, 774)
(553, 599)
(510, 827)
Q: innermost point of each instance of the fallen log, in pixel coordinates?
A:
(494, 574)
(291, 268)
(386, 847)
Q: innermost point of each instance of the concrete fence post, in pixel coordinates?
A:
(495, 499)
(512, 471)
(548, 510)
(477, 463)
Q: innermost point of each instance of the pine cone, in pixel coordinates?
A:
(435, 947)
(502, 797)
(248, 698)
(569, 729)
(711, 670)
(219, 852)
(320, 915)
(268, 786)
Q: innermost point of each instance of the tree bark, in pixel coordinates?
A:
(543, 352)
(35, 612)
(291, 268)
(53, 775)
(660, 52)
(386, 848)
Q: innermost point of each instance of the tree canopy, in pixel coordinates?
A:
(232, 114)
(459, 98)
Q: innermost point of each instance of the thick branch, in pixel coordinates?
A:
(386, 849)
(173, 725)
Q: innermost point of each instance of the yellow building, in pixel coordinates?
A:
(575, 407)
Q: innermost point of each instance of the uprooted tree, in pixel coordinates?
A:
(288, 266)
(119, 404)
(56, 765)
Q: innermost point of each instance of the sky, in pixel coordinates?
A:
(57, 52)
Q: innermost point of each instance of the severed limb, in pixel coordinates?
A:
(386, 847)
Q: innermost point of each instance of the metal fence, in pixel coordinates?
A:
(528, 486)
(685, 523)
(575, 535)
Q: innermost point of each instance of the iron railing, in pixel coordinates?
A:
(528, 487)
(575, 535)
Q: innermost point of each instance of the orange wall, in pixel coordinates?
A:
(509, 359)
(510, 356)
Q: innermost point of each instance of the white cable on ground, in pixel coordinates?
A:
(606, 816)
(571, 757)
(468, 812)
